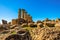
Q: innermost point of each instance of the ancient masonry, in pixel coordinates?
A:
(23, 17)
(4, 22)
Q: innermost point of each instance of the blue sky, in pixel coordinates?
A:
(38, 9)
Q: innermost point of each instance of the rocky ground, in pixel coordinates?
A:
(45, 33)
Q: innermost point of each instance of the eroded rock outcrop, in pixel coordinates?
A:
(21, 35)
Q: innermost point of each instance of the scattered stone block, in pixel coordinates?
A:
(4, 22)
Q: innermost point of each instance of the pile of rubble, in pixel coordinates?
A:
(46, 34)
(20, 35)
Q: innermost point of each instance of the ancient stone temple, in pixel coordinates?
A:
(23, 17)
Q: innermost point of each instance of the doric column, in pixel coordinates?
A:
(22, 15)
(25, 15)
(19, 13)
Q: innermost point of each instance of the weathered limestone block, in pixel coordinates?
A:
(4, 22)
(13, 26)
(50, 25)
(3, 27)
(24, 25)
(32, 25)
(57, 25)
(40, 25)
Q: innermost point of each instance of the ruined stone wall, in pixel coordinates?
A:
(25, 16)
(29, 18)
(14, 21)
(4, 22)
